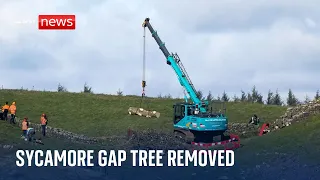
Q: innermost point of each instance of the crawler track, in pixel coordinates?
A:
(232, 140)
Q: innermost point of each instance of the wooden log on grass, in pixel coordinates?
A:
(143, 112)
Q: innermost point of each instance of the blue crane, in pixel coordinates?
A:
(192, 120)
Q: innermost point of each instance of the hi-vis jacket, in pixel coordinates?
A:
(6, 106)
(13, 109)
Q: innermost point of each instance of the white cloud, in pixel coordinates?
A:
(310, 23)
(224, 45)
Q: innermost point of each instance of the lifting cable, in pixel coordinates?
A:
(144, 63)
(143, 95)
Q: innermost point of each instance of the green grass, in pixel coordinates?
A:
(102, 115)
(8, 133)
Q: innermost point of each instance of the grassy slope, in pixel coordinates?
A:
(301, 138)
(8, 133)
(100, 115)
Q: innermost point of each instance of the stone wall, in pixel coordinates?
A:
(60, 133)
(297, 114)
(243, 129)
(293, 115)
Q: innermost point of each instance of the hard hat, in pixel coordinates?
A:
(13, 102)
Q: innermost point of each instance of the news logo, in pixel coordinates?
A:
(57, 22)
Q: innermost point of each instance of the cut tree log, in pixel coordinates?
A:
(143, 112)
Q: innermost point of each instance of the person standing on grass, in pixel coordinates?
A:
(5, 110)
(44, 122)
(13, 110)
(24, 127)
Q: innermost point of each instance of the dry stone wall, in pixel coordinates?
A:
(293, 115)
(60, 133)
(297, 114)
(243, 129)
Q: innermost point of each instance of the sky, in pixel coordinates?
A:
(228, 45)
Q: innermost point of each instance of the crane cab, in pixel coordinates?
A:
(205, 127)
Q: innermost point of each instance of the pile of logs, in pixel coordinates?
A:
(143, 112)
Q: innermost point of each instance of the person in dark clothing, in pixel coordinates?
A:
(254, 120)
(5, 110)
(5, 114)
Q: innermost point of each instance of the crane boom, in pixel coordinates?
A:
(174, 61)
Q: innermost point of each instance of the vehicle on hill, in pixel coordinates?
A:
(191, 120)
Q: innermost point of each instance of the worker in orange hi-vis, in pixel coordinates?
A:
(5, 110)
(13, 110)
(43, 121)
(24, 127)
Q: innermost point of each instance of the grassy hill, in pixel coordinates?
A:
(8, 133)
(102, 115)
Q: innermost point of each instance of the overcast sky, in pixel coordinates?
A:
(224, 45)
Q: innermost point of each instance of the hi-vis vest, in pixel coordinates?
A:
(24, 125)
(13, 109)
(5, 107)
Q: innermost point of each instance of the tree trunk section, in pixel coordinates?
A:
(143, 112)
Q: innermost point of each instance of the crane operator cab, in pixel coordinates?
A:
(205, 127)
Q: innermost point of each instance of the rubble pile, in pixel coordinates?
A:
(243, 129)
(297, 114)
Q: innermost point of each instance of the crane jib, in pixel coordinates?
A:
(174, 61)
